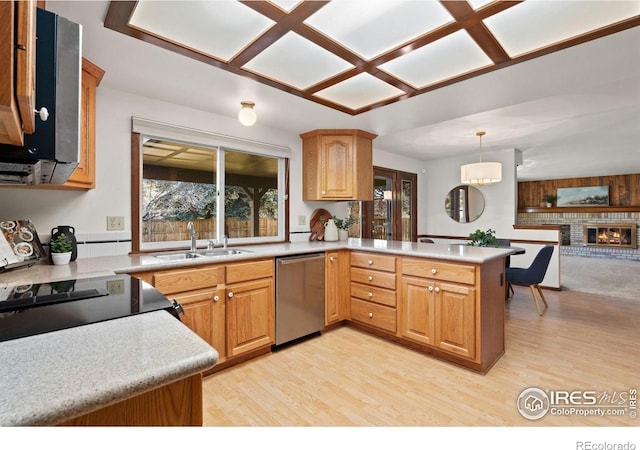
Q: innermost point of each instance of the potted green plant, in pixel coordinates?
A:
(60, 249)
(549, 199)
(481, 238)
(343, 226)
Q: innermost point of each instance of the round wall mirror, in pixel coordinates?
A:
(464, 203)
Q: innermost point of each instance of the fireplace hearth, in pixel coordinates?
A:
(620, 235)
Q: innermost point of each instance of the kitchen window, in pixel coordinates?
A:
(226, 187)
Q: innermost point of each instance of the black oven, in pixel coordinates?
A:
(30, 309)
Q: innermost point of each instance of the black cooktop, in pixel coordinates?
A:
(32, 309)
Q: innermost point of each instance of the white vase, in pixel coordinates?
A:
(330, 231)
(60, 259)
(343, 235)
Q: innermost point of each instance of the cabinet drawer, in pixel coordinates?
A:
(437, 270)
(373, 314)
(374, 294)
(251, 270)
(373, 261)
(188, 279)
(373, 278)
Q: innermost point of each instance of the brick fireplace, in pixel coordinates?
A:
(617, 235)
(575, 224)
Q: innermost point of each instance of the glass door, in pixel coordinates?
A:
(392, 213)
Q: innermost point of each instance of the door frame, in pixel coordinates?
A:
(397, 177)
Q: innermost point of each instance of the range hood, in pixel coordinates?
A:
(51, 154)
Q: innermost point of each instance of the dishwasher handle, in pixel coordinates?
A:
(299, 258)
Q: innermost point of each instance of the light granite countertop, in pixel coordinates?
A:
(56, 376)
(52, 377)
(101, 266)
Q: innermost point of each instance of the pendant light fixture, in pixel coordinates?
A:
(481, 173)
(247, 115)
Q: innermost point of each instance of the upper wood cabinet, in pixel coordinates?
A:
(17, 72)
(337, 165)
(84, 177)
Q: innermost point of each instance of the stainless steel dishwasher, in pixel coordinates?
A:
(299, 296)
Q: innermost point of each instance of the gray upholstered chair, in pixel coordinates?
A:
(532, 275)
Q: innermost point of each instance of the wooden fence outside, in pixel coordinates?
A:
(176, 230)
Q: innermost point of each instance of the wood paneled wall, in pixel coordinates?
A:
(624, 190)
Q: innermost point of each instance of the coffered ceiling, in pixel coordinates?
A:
(356, 56)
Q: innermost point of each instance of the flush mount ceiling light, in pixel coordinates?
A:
(247, 115)
(483, 172)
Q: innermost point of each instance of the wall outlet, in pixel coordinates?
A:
(302, 220)
(115, 223)
(115, 287)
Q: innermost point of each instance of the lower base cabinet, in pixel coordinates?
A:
(176, 404)
(231, 307)
(336, 286)
(250, 313)
(440, 315)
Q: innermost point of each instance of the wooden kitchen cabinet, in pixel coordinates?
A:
(84, 177)
(204, 314)
(439, 313)
(250, 306)
(373, 290)
(336, 287)
(200, 291)
(231, 306)
(17, 72)
(337, 165)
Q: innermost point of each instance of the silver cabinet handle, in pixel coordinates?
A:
(370, 315)
(437, 289)
(370, 294)
(230, 294)
(216, 298)
(430, 288)
(332, 259)
(370, 278)
(433, 271)
(370, 262)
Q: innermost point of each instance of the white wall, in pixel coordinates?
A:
(500, 213)
(87, 210)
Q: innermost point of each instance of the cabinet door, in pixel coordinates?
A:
(336, 166)
(336, 286)
(250, 316)
(198, 312)
(417, 320)
(456, 319)
(84, 176)
(10, 123)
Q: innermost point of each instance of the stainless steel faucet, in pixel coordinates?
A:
(192, 230)
(225, 240)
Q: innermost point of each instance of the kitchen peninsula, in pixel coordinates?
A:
(445, 300)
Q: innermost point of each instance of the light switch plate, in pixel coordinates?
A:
(302, 220)
(115, 223)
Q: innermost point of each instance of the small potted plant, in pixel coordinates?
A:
(60, 250)
(343, 226)
(549, 199)
(481, 238)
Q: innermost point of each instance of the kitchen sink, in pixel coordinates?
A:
(221, 252)
(216, 252)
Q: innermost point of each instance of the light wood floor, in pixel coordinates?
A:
(348, 378)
